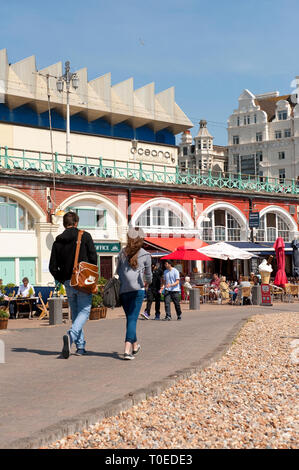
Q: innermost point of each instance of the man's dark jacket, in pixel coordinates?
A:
(63, 253)
(156, 282)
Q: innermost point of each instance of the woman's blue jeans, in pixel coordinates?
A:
(132, 302)
(80, 304)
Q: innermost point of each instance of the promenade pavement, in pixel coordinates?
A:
(45, 397)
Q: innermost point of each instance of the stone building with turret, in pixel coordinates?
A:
(200, 153)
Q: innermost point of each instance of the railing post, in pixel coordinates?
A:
(210, 178)
(114, 169)
(177, 175)
(140, 172)
(165, 174)
(56, 162)
(100, 167)
(6, 156)
(39, 161)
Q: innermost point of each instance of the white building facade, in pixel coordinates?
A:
(263, 136)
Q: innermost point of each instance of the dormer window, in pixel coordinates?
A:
(282, 115)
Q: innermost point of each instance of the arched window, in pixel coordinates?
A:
(159, 217)
(220, 225)
(90, 217)
(271, 227)
(13, 216)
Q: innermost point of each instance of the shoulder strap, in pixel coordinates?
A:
(80, 233)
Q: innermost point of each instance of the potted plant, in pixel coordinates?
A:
(97, 310)
(4, 316)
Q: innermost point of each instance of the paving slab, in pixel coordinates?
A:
(45, 397)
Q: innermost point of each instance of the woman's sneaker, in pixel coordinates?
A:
(137, 350)
(128, 357)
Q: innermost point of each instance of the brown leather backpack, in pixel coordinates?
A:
(85, 275)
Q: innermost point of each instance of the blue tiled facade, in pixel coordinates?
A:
(27, 116)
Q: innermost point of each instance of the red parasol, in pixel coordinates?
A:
(182, 253)
(281, 277)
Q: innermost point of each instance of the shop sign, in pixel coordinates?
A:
(254, 219)
(150, 153)
(107, 247)
(266, 294)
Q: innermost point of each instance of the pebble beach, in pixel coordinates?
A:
(247, 399)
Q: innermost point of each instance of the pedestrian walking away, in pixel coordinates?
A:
(171, 287)
(61, 267)
(135, 274)
(153, 293)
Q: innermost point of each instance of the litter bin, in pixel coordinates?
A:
(194, 302)
(55, 310)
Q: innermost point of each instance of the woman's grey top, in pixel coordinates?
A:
(133, 279)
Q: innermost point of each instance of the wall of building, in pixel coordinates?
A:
(30, 138)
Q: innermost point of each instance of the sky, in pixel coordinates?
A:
(209, 51)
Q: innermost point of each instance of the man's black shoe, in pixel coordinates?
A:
(167, 319)
(66, 347)
(179, 318)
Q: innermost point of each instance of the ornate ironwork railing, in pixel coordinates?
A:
(16, 159)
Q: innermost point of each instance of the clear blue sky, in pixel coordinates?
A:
(210, 51)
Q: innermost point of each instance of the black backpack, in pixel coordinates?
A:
(111, 297)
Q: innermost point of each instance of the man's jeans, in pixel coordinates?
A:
(132, 302)
(175, 297)
(80, 304)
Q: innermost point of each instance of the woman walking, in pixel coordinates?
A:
(134, 270)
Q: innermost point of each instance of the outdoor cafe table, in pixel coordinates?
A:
(23, 301)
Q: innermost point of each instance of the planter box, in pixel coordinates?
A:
(97, 312)
(3, 323)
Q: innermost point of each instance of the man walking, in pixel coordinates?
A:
(153, 293)
(171, 284)
(61, 267)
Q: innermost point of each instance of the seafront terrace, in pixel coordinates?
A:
(134, 170)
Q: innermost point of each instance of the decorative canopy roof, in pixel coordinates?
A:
(22, 84)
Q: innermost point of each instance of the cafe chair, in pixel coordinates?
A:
(44, 307)
(291, 290)
(276, 292)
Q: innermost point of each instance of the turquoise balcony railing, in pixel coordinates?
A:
(60, 164)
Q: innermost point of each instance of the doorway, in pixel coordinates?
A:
(105, 263)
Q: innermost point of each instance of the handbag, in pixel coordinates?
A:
(111, 295)
(85, 275)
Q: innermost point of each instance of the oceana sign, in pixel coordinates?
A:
(150, 153)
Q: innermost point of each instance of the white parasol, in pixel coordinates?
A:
(222, 250)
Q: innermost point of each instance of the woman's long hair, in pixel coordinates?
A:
(135, 242)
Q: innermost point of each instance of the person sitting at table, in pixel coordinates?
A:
(224, 288)
(214, 287)
(244, 283)
(24, 288)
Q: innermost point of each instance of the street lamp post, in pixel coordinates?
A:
(68, 78)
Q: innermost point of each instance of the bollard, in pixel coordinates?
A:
(194, 302)
(256, 295)
(55, 310)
